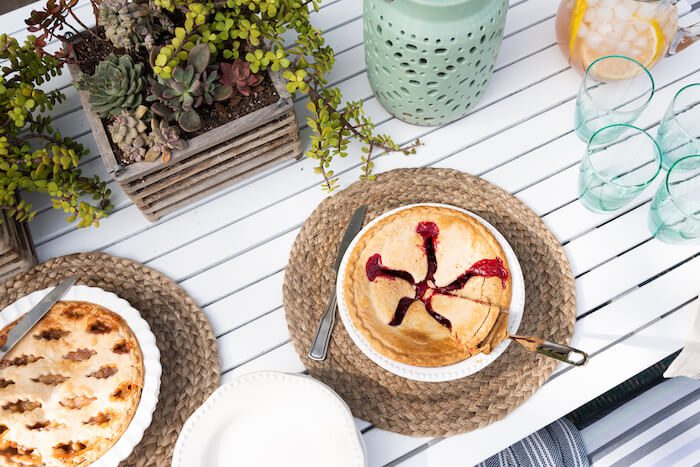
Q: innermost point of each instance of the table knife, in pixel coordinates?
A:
(319, 347)
(29, 320)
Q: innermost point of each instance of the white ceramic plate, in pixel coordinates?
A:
(268, 419)
(442, 373)
(151, 359)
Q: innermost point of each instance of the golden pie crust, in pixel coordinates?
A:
(69, 388)
(476, 310)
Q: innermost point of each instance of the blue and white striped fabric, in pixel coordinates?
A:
(660, 428)
(557, 445)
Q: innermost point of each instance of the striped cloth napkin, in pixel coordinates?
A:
(688, 362)
(556, 445)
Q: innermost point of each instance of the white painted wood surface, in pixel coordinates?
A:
(635, 295)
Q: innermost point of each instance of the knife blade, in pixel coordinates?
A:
(319, 346)
(29, 320)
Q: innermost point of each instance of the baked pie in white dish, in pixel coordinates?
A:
(70, 389)
(430, 292)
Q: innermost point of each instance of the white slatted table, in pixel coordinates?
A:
(635, 295)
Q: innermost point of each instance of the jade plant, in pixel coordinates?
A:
(252, 30)
(208, 52)
(34, 156)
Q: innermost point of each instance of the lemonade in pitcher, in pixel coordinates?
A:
(640, 29)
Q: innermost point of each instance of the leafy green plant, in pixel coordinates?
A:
(240, 40)
(34, 156)
(252, 30)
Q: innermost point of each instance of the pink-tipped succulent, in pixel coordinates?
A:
(238, 76)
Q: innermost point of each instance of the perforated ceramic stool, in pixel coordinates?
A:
(429, 60)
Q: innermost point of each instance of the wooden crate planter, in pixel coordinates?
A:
(212, 161)
(16, 248)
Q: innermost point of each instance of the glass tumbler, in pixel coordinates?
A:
(615, 89)
(674, 216)
(613, 173)
(679, 131)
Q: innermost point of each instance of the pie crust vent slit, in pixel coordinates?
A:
(21, 406)
(104, 372)
(77, 402)
(51, 379)
(51, 334)
(79, 355)
(5, 382)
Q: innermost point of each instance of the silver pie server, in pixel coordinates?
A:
(319, 346)
(561, 352)
(22, 326)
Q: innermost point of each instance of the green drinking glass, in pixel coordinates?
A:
(617, 167)
(674, 216)
(679, 131)
(615, 89)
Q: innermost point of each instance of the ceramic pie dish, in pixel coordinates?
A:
(269, 418)
(82, 386)
(430, 292)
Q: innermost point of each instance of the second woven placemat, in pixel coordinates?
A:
(187, 345)
(410, 407)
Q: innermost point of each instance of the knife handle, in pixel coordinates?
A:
(319, 347)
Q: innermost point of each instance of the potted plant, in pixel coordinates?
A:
(34, 157)
(185, 98)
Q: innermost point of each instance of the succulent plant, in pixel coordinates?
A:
(130, 133)
(117, 84)
(165, 138)
(212, 89)
(238, 75)
(131, 154)
(177, 98)
(126, 24)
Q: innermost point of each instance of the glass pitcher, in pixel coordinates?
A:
(645, 30)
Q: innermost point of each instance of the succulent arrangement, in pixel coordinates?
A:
(205, 54)
(177, 98)
(126, 24)
(34, 157)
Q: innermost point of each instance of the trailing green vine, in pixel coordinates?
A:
(34, 156)
(253, 30)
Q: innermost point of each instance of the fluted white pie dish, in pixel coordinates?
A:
(457, 370)
(149, 350)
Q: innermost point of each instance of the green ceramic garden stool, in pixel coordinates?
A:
(429, 60)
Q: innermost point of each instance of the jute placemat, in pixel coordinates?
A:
(187, 345)
(410, 407)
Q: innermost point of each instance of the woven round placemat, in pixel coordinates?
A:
(187, 345)
(417, 408)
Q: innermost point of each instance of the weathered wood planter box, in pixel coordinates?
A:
(212, 161)
(16, 248)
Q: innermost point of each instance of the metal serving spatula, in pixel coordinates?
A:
(29, 320)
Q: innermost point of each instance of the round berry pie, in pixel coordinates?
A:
(428, 286)
(69, 388)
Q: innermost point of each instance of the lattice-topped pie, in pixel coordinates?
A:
(69, 389)
(429, 286)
